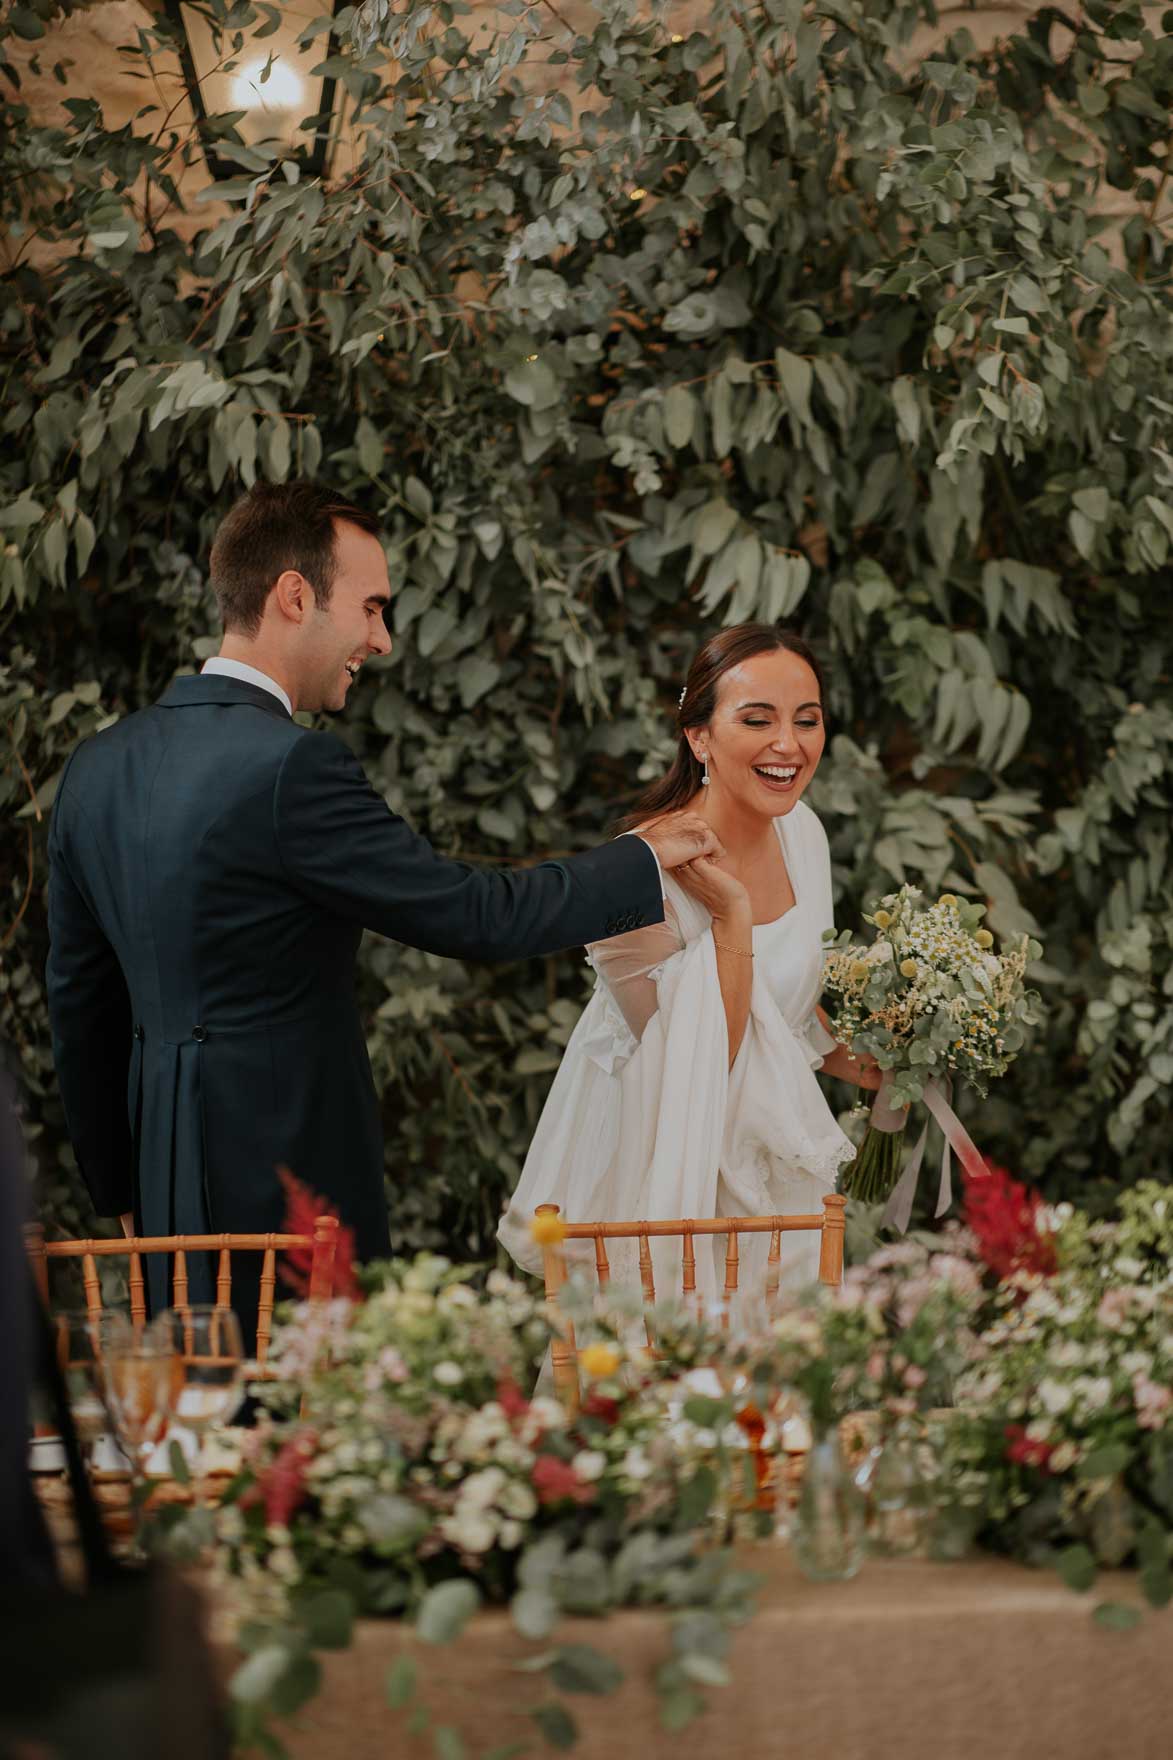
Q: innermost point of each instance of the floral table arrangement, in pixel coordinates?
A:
(402, 1470)
(1067, 1412)
(931, 1000)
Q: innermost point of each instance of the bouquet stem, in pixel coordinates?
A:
(873, 1175)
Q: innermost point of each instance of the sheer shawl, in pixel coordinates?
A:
(645, 1119)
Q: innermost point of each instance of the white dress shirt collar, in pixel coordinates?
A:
(247, 675)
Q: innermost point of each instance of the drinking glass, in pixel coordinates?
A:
(137, 1378)
(208, 1356)
(81, 1338)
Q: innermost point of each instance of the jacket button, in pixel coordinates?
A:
(139, 1034)
(199, 1034)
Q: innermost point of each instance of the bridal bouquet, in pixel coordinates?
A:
(930, 999)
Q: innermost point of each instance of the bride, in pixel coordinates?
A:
(688, 1088)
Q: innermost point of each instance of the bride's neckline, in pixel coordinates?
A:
(789, 912)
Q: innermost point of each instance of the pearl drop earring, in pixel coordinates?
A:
(705, 777)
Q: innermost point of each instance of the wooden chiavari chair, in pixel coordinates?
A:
(564, 1355)
(322, 1244)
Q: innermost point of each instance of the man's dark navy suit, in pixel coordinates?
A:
(212, 868)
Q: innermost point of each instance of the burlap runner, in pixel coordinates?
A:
(912, 1661)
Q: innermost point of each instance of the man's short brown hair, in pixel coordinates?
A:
(274, 527)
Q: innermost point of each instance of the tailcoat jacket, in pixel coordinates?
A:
(212, 867)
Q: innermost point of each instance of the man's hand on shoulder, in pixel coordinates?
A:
(681, 837)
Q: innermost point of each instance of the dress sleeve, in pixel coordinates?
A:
(630, 965)
(816, 1040)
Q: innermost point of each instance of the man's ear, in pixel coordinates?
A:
(292, 595)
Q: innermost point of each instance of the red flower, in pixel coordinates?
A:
(598, 1405)
(1027, 1451)
(281, 1487)
(302, 1209)
(511, 1399)
(1004, 1216)
(555, 1480)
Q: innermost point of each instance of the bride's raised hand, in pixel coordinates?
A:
(722, 895)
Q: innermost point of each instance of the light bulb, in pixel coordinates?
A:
(283, 90)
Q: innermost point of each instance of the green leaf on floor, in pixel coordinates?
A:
(556, 1724)
(446, 1609)
(400, 1683)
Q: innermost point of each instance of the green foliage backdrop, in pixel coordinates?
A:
(774, 320)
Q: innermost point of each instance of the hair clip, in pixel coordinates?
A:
(681, 697)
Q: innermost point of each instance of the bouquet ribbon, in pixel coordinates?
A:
(937, 1097)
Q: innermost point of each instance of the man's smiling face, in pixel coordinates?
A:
(344, 632)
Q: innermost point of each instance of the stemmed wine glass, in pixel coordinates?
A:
(137, 1377)
(207, 1353)
(81, 1339)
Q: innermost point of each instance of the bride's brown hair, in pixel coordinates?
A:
(728, 648)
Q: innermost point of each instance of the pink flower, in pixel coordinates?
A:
(1113, 1309)
(914, 1377)
(875, 1367)
(1152, 1402)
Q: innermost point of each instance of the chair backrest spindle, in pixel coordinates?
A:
(224, 1278)
(138, 1298)
(265, 1301)
(563, 1353)
(179, 1279)
(688, 1267)
(773, 1267)
(732, 1263)
(602, 1263)
(93, 1288)
(647, 1275)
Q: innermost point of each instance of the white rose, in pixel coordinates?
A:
(482, 1489)
(448, 1374)
(590, 1464)
(283, 1564)
(1097, 1392)
(1054, 1396)
(636, 1464)
(879, 954)
(510, 1453)
(1063, 1457)
(518, 1500)
(511, 1536)
(470, 1530)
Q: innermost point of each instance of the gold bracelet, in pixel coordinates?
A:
(745, 952)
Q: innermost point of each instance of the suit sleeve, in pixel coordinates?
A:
(341, 845)
(89, 1014)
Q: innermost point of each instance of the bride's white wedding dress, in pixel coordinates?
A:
(645, 1120)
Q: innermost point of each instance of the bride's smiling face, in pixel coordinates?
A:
(766, 736)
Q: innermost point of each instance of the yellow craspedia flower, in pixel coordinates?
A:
(984, 938)
(882, 919)
(858, 970)
(599, 1360)
(947, 898)
(908, 968)
(547, 1231)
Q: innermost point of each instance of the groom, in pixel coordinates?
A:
(212, 868)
